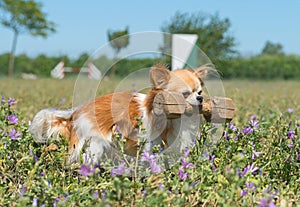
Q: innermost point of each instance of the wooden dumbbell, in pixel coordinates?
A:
(173, 105)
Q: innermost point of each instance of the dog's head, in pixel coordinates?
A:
(187, 82)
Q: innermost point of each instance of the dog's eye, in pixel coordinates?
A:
(186, 94)
(199, 93)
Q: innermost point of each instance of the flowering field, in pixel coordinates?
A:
(255, 163)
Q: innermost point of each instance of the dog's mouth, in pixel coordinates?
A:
(191, 109)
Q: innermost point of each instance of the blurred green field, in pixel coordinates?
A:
(251, 97)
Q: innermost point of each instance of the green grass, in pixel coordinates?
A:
(30, 171)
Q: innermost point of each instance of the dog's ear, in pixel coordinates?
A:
(201, 71)
(159, 76)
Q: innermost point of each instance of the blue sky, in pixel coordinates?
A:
(82, 25)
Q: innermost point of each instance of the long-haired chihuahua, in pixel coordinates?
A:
(96, 121)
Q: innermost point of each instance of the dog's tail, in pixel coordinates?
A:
(50, 123)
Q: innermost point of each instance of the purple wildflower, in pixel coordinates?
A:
(13, 119)
(238, 171)
(194, 143)
(14, 135)
(186, 152)
(144, 193)
(49, 183)
(184, 164)
(266, 203)
(120, 170)
(291, 134)
(2, 99)
(232, 127)
(247, 130)
(35, 202)
(182, 174)
(56, 200)
(95, 195)
(22, 190)
(235, 138)
(86, 170)
(263, 202)
(291, 144)
(11, 101)
(249, 168)
(225, 135)
(255, 154)
(267, 189)
(298, 156)
(254, 124)
(243, 193)
(63, 99)
(290, 110)
(212, 158)
(214, 167)
(155, 168)
(253, 117)
(195, 183)
(206, 155)
(250, 186)
(147, 156)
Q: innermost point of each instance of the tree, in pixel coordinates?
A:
(79, 62)
(213, 33)
(23, 16)
(118, 40)
(272, 49)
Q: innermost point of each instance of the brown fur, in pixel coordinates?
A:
(119, 109)
(187, 77)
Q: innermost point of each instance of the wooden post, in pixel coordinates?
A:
(218, 109)
(173, 105)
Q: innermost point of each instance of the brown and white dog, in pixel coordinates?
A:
(95, 122)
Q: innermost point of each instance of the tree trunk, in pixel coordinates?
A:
(12, 55)
(113, 68)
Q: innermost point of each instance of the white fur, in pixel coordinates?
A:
(192, 99)
(94, 140)
(41, 126)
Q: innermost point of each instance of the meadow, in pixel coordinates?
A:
(255, 163)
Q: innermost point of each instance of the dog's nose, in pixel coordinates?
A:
(200, 99)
